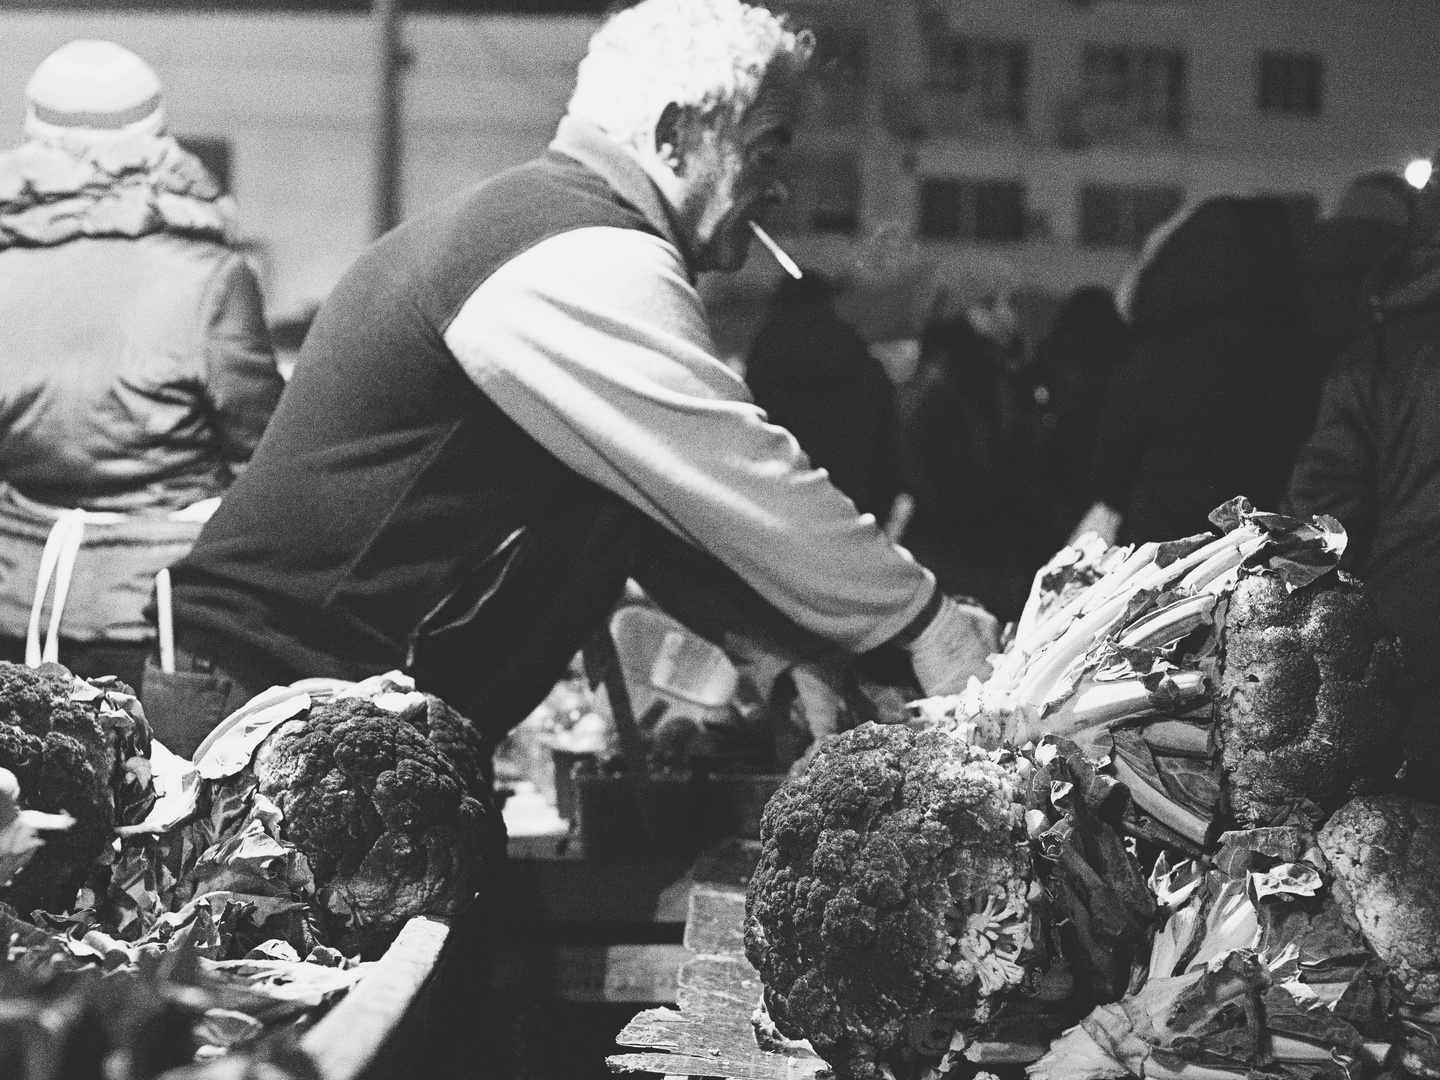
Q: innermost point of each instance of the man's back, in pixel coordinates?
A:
(390, 499)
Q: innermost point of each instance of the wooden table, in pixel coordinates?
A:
(581, 930)
(576, 930)
(710, 1034)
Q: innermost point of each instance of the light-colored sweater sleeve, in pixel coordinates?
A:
(596, 344)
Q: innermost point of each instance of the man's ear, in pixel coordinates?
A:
(668, 137)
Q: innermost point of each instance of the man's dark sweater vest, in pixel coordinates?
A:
(393, 516)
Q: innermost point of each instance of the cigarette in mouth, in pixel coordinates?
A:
(789, 265)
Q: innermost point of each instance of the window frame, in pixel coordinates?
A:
(1133, 220)
(973, 66)
(1147, 84)
(968, 219)
(1290, 83)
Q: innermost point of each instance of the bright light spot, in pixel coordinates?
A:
(1417, 173)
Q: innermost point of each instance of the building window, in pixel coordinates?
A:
(990, 77)
(1144, 87)
(1290, 82)
(214, 154)
(991, 211)
(1118, 216)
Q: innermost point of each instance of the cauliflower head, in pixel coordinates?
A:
(1312, 696)
(390, 810)
(68, 747)
(890, 901)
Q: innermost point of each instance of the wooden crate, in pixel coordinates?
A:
(374, 1031)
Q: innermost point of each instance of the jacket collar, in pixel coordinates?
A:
(591, 147)
(54, 190)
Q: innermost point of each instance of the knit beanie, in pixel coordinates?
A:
(1378, 196)
(93, 90)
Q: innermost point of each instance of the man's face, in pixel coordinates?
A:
(729, 172)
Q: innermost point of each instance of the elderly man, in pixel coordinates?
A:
(504, 398)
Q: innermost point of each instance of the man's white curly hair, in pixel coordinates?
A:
(707, 55)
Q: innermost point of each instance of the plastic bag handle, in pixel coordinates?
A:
(57, 561)
(166, 621)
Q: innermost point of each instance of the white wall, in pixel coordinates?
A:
(294, 94)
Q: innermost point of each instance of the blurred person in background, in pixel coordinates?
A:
(1072, 368)
(968, 443)
(1373, 462)
(136, 374)
(1219, 385)
(1343, 250)
(811, 373)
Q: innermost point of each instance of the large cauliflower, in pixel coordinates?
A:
(1239, 673)
(1385, 851)
(891, 896)
(1312, 695)
(77, 748)
(390, 810)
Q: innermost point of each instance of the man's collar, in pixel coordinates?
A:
(587, 144)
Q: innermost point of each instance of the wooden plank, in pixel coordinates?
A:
(782, 1068)
(347, 1039)
(542, 846)
(569, 890)
(711, 1034)
(715, 922)
(653, 1029)
(641, 974)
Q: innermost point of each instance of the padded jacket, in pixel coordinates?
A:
(136, 372)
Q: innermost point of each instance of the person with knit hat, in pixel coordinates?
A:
(97, 86)
(136, 372)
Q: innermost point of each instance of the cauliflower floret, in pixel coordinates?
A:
(995, 937)
(890, 898)
(1312, 696)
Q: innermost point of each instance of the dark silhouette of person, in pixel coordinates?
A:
(1073, 365)
(968, 419)
(1219, 386)
(809, 370)
(1373, 462)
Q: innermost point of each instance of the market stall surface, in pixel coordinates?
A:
(711, 1033)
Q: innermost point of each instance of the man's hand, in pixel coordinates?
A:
(953, 647)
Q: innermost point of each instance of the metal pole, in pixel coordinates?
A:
(390, 62)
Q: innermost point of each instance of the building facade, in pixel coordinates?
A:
(1034, 143)
(987, 143)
